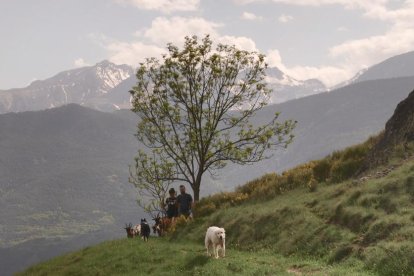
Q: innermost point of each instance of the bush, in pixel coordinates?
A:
(343, 170)
(211, 203)
(312, 185)
(204, 209)
(322, 170)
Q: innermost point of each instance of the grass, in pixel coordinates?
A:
(164, 257)
(316, 219)
(371, 221)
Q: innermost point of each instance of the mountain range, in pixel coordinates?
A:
(64, 171)
(105, 87)
(88, 86)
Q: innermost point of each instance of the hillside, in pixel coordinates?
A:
(326, 122)
(355, 227)
(394, 67)
(63, 181)
(399, 66)
(318, 218)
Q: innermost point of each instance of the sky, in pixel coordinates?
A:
(326, 39)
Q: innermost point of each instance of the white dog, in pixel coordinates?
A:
(216, 238)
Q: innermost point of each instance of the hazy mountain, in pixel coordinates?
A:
(88, 86)
(63, 175)
(286, 88)
(105, 87)
(327, 122)
(350, 81)
(394, 67)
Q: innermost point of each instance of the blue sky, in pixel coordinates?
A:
(326, 39)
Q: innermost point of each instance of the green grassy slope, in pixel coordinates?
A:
(163, 257)
(325, 217)
(368, 220)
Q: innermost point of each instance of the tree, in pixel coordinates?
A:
(149, 178)
(195, 108)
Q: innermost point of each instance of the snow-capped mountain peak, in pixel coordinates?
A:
(287, 88)
(86, 86)
(111, 74)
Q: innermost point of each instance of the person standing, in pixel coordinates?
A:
(172, 205)
(185, 203)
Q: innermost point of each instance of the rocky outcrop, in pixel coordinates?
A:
(399, 132)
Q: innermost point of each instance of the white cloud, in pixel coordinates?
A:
(164, 6)
(342, 29)
(132, 53)
(284, 18)
(152, 41)
(367, 51)
(346, 58)
(251, 16)
(274, 59)
(80, 63)
(351, 56)
(164, 30)
(374, 9)
(349, 4)
(329, 75)
(240, 42)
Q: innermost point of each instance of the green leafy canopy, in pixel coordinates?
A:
(195, 106)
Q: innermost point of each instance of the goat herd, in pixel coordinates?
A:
(214, 239)
(143, 229)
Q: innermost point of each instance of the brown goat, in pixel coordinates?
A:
(133, 232)
(161, 225)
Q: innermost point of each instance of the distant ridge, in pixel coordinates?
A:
(63, 181)
(88, 86)
(105, 87)
(395, 67)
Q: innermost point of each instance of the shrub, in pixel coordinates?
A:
(312, 185)
(211, 203)
(322, 170)
(181, 221)
(345, 169)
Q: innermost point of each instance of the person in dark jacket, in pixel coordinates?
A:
(185, 203)
(171, 204)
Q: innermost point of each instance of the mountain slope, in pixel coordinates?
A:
(63, 176)
(286, 88)
(394, 67)
(326, 122)
(86, 86)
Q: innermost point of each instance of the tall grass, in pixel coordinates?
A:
(335, 168)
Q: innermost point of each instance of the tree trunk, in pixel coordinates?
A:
(196, 190)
